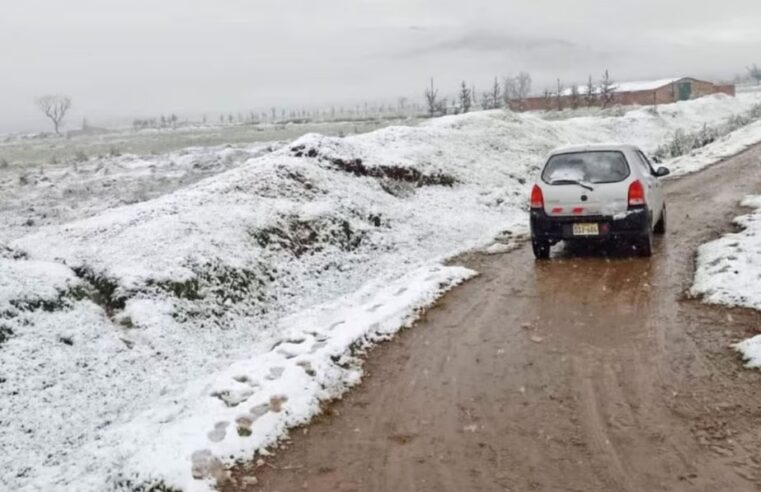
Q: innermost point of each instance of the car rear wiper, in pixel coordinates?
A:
(571, 181)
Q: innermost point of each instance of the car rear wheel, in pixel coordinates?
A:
(660, 227)
(541, 249)
(644, 245)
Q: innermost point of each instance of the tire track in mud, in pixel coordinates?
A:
(585, 373)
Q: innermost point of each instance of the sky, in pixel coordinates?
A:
(121, 59)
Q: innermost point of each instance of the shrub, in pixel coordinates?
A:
(682, 142)
(80, 156)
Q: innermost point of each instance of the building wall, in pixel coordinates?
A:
(700, 88)
(728, 89)
(663, 95)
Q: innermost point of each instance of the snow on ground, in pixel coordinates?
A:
(55, 194)
(729, 272)
(724, 147)
(189, 329)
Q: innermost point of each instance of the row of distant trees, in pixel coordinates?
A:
(56, 107)
(160, 122)
(500, 94)
(513, 92)
(508, 92)
(601, 93)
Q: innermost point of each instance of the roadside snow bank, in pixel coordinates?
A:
(724, 147)
(157, 370)
(729, 272)
(255, 401)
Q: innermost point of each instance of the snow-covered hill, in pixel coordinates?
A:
(161, 340)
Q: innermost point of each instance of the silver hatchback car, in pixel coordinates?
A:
(599, 192)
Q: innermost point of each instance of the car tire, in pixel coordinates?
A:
(660, 227)
(644, 245)
(541, 249)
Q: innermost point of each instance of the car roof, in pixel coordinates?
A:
(620, 147)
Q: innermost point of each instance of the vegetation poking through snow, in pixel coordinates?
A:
(63, 301)
(394, 173)
(11, 254)
(5, 333)
(106, 292)
(20, 292)
(683, 142)
(300, 236)
(226, 285)
(131, 486)
(357, 167)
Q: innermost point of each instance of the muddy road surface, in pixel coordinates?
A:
(583, 373)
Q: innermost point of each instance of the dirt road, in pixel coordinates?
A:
(584, 373)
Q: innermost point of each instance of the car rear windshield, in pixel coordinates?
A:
(586, 167)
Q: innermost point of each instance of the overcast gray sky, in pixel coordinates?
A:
(125, 58)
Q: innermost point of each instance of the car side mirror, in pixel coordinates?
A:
(662, 171)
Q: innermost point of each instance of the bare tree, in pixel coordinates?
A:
(607, 88)
(590, 93)
(401, 104)
(547, 99)
(441, 107)
(431, 98)
(523, 88)
(575, 99)
(559, 96)
(509, 90)
(486, 101)
(496, 94)
(755, 73)
(55, 108)
(517, 90)
(465, 96)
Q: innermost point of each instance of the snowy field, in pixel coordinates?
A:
(48, 151)
(161, 317)
(729, 272)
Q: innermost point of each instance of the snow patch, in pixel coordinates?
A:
(729, 272)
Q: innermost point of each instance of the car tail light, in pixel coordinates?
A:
(537, 198)
(636, 194)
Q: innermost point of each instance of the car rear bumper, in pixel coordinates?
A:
(635, 223)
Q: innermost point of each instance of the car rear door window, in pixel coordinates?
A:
(586, 167)
(642, 163)
(648, 164)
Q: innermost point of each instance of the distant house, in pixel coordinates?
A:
(643, 93)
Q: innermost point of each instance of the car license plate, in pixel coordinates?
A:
(582, 229)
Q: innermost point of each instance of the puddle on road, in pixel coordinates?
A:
(596, 296)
